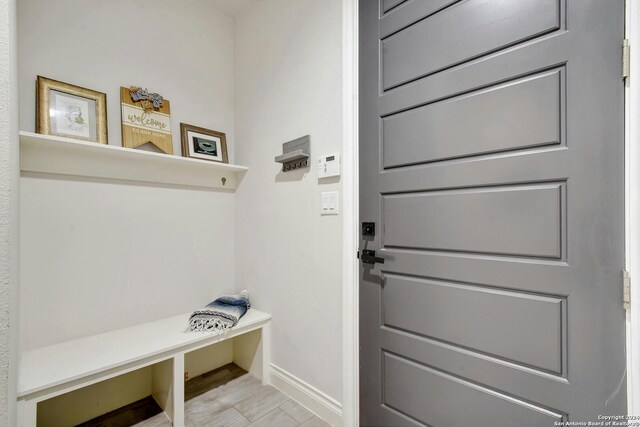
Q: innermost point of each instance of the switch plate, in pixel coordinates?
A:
(329, 203)
(329, 166)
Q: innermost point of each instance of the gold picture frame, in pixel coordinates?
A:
(63, 109)
(204, 144)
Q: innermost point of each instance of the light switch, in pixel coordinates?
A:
(329, 203)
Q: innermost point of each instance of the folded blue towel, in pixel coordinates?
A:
(221, 314)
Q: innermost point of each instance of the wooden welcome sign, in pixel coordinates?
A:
(144, 122)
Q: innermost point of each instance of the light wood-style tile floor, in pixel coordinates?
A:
(239, 402)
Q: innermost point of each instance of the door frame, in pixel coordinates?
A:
(350, 218)
(350, 197)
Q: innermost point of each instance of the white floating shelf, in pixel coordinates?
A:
(66, 156)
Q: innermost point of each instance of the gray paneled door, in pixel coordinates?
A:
(492, 163)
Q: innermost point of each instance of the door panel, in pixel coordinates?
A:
(413, 12)
(463, 31)
(507, 117)
(491, 159)
(521, 327)
(390, 4)
(443, 395)
(519, 220)
(475, 367)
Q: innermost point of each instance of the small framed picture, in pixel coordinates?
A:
(71, 111)
(205, 144)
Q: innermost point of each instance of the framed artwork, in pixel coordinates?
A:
(205, 144)
(63, 109)
(146, 118)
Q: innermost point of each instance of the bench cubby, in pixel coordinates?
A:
(156, 355)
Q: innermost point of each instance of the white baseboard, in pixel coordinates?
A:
(307, 395)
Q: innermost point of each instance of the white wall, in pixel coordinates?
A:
(182, 50)
(9, 194)
(99, 255)
(288, 84)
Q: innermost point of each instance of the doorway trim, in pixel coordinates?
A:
(350, 198)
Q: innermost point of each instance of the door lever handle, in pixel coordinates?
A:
(369, 257)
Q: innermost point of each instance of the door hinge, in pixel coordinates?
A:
(626, 59)
(626, 290)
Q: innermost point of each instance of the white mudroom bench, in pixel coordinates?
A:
(57, 369)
